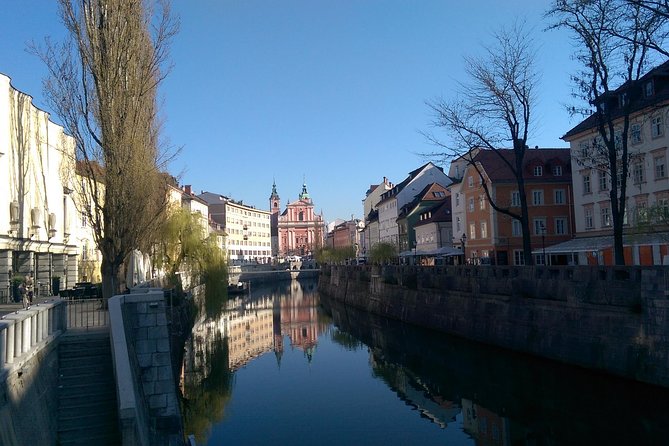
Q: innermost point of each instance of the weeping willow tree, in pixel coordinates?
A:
(102, 85)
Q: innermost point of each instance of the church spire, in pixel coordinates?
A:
(275, 194)
(304, 195)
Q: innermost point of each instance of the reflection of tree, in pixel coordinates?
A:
(346, 340)
(205, 396)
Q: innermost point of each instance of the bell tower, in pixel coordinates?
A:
(275, 210)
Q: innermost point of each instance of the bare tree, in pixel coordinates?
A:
(612, 43)
(103, 86)
(494, 111)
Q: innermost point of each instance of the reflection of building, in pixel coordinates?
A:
(299, 319)
(298, 230)
(486, 427)
(411, 390)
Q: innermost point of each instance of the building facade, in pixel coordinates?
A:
(247, 229)
(392, 200)
(37, 209)
(299, 229)
(370, 236)
(646, 232)
(490, 236)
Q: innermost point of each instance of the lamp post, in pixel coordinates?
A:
(414, 253)
(463, 239)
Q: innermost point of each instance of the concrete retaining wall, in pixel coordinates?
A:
(610, 319)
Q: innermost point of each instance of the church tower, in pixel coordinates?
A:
(275, 209)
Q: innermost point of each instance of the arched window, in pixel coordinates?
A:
(301, 216)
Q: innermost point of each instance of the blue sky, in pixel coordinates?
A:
(331, 91)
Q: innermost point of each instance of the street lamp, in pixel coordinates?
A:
(463, 239)
(414, 253)
(543, 242)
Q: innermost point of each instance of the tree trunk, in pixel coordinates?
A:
(110, 279)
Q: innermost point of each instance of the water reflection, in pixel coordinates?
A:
(361, 374)
(243, 328)
(505, 398)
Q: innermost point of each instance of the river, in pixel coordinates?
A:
(286, 366)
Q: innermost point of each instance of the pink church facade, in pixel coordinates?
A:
(298, 230)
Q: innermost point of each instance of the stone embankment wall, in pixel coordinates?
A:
(29, 374)
(258, 277)
(613, 319)
(146, 390)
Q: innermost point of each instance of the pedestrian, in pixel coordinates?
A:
(29, 288)
(24, 295)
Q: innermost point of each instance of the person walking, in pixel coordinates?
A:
(30, 288)
(24, 295)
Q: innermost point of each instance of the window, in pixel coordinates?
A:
(439, 194)
(537, 197)
(642, 211)
(660, 171)
(606, 216)
(586, 184)
(457, 225)
(637, 172)
(558, 197)
(472, 231)
(656, 128)
(623, 100)
(471, 205)
(538, 171)
(457, 199)
(515, 198)
(560, 226)
(648, 89)
(482, 202)
(589, 222)
(484, 229)
(663, 207)
(603, 182)
(583, 149)
(518, 258)
(557, 171)
(539, 259)
(470, 181)
(635, 131)
(539, 226)
(516, 228)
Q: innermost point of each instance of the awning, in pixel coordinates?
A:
(587, 244)
(444, 251)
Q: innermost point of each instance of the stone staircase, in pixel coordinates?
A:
(87, 409)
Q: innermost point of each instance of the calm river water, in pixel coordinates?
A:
(286, 366)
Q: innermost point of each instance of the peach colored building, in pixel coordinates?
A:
(298, 230)
(492, 237)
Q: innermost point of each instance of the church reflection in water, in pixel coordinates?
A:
(490, 397)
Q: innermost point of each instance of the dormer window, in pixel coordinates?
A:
(538, 171)
(557, 171)
(623, 100)
(648, 89)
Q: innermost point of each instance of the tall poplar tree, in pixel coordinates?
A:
(102, 84)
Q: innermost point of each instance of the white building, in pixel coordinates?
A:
(37, 211)
(370, 236)
(247, 229)
(645, 241)
(392, 200)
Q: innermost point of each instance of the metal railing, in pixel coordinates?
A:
(86, 312)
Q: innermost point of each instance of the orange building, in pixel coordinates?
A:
(493, 237)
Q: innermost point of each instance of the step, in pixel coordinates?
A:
(104, 407)
(69, 363)
(89, 437)
(79, 376)
(104, 420)
(83, 351)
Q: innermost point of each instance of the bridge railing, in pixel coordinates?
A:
(23, 330)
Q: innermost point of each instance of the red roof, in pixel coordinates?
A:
(498, 171)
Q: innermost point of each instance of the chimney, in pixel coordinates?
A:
(187, 189)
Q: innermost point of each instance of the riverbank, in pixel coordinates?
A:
(614, 320)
